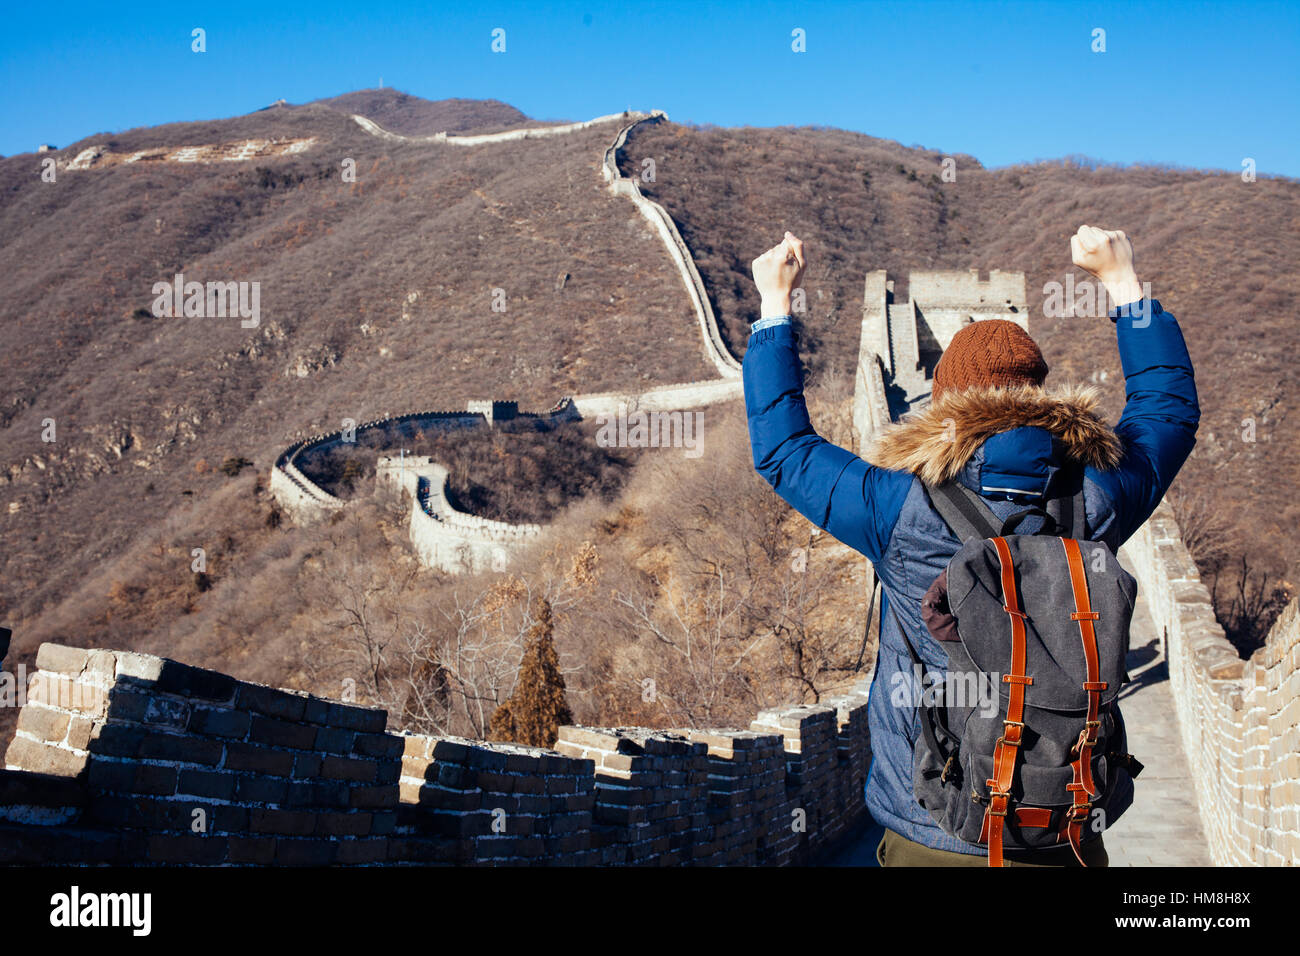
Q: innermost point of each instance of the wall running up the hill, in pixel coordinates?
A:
(1240, 720)
(620, 185)
(447, 539)
(131, 759)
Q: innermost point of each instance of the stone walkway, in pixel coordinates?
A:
(1163, 827)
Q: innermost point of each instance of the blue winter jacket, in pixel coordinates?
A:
(882, 511)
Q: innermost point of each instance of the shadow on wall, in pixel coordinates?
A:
(131, 759)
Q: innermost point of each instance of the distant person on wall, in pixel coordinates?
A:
(992, 428)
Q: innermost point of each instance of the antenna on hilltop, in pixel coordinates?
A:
(381, 82)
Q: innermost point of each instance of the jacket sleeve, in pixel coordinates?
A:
(833, 488)
(1161, 412)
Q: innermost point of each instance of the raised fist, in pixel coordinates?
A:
(1107, 254)
(777, 273)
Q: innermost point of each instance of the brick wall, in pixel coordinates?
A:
(177, 764)
(1240, 720)
(964, 290)
(132, 759)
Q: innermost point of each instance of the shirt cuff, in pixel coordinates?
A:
(768, 323)
(1140, 311)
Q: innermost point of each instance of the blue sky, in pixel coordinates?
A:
(1195, 84)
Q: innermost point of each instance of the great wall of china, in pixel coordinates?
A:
(125, 758)
(1239, 720)
(443, 537)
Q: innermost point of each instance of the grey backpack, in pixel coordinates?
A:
(1021, 744)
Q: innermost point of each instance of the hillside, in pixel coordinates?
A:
(412, 116)
(377, 296)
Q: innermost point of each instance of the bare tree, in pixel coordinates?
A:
(1250, 607)
(1210, 535)
(697, 658)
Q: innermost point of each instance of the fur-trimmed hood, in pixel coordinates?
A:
(937, 442)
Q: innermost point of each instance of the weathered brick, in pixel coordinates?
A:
(54, 690)
(343, 824)
(39, 790)
(170, 677)
(317, 793)
(256, 789)
(388, 746)
(271, 702)
(185, 848)
(316, 711)
(485, 758)
(115, 739)
(61, 659)
(369, 850)
(318, 852)
(449, 751)
(242, 756)
(362, 770)
(589, 737)
(496, 782)
(279, 733)
(128, 706)
(357, 718)
(155, 779)
(50, 725)
(227, 818)
(218, 785)
(80, 730)
(336, 740)
(415, 745)
(245, 849)
(294, 822)
(182, 749)
(43, 758)
(120, 810)
(306, 766)
(219, 722)
(416, 767)
(374, 797)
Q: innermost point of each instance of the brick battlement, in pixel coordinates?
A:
(125, 758)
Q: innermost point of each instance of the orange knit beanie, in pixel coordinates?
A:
(989, 352)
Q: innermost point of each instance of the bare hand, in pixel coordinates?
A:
(777, 273)
(1107, 254)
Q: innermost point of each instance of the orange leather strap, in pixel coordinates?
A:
(1083, 786)
(1013, 727)
(1033, 816)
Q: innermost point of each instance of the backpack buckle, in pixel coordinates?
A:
(1087, 736)
(993, 802)
(948, 768)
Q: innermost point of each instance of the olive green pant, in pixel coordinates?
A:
(898, 850)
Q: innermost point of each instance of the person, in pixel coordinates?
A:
(992, 426)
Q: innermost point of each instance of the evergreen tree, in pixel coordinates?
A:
(538, 707)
